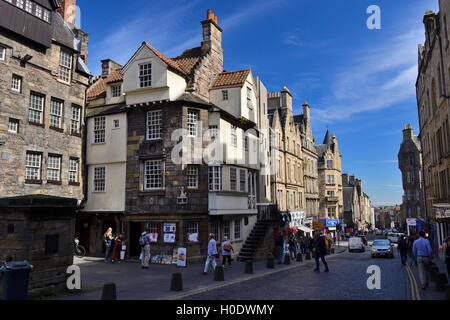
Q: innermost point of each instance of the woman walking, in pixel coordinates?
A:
(212, 253)
(227, 248)
(108, 238)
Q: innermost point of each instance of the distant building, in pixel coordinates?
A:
(410, 164)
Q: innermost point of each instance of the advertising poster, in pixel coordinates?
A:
(181, 259)
(169, 232)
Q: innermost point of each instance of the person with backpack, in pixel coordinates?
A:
(227, 248)
(144, 241)
(320, 249)
(402, 247)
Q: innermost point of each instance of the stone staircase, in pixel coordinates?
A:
(259, 242)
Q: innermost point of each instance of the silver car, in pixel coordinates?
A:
(382, 248)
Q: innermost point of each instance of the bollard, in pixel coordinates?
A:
(447, 292)
(433, 273)
(109, 291)
(249, 267)
(176, 284)
(287, 259)
(441, 282)
(299, 257)
(270, 263)
(308, 256)
(218, 274)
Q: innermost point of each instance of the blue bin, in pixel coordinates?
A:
(14, 277)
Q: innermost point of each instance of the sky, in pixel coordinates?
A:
(359, 83)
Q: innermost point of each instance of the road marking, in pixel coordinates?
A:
(415, 293)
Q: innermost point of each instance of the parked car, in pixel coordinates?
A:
(379, 232)
(356, 243)
(386, 231)
(393, 236)
(382, 248)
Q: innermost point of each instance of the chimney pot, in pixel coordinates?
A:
(215, 19)
(210, 15)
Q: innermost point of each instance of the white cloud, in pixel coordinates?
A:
(378, 78)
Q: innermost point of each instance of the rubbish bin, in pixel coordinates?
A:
(14, 278)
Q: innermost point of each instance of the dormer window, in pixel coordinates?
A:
(249, 98)
(116, 91)
(224, 95)
(145, 75)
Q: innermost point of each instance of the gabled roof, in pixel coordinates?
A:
(328, 140)
(98, 89)
(231, 79)
(171, 63)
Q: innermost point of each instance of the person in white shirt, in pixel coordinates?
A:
(212, 253)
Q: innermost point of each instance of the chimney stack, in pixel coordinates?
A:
(212, 34)
(407, 132)
(286, 98)
(306, 110)
(67, 10)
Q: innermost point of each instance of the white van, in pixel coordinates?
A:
(393, 236)
(355, 243)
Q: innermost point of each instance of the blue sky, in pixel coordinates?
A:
(360, 83)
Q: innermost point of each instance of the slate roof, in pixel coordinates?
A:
(189, 97)
(231, 79)
(328, 140)
(105, 110)
(63, 34)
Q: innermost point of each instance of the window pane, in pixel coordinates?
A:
(36, 107)
(153, 175)
(154, 124)
(56, 110)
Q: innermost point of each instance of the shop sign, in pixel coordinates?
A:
(318, 225)
(169, 232)
(181, 257)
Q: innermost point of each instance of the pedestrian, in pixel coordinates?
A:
(292, 249)
(227, 248)
(108, 238)
(212, 254)
(320, 249)
(123, 249)
(446, 254)
(303, 245)
(402, 247)
(422, 250)
(411, 253)
(144, 241)
(279, 243)
(116, 248)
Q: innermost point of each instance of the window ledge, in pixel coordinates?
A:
(61, 130)
(29, 181)
(54, 182)
(75, 184)
(64, 82)
(36, 124)
(75, 134)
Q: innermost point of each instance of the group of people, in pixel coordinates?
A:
(419, 249)
(115, 246)
(213, 253)
(319, 245)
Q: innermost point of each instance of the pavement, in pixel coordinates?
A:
(134, 283)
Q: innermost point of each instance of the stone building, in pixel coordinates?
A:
(361, 214)
(43, 80)
(330, 179)
(433, 102)
(287, 180)
(310, 172)
(410, 164)
(185, 152)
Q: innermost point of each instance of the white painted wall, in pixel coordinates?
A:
(166, 85)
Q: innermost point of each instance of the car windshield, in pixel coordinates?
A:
(381, 243)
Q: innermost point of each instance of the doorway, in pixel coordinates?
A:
(133, 240)
(84, 228)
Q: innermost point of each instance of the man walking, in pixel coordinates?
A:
(279, 243)
(321, 249)
(402, 247)
(145, 245)
(424, 254)
(212, 253)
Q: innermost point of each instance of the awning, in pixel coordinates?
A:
(305, 228)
